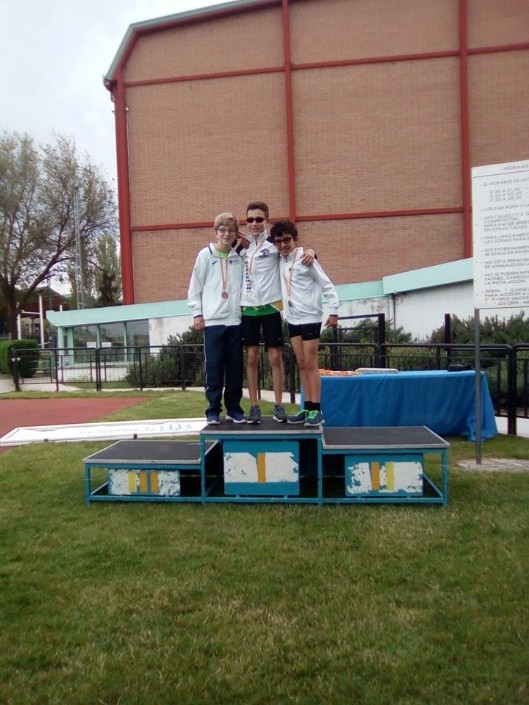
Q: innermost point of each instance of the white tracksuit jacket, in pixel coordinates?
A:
(261, 274)
(302, 288)
(205, 288)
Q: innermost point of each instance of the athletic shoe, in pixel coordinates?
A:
(236, 417)
(300, 417)
(212, 418)
(279, 414)
(314, 418)
(255, 415)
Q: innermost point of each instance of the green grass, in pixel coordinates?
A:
(251, 604)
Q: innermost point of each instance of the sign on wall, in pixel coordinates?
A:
(500, 220)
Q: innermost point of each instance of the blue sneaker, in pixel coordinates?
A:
(314, 418)
(236, 417)
(255, 415)
(279, 414)
(300, 417)
(212, 418)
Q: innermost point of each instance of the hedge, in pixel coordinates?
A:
(26, 350)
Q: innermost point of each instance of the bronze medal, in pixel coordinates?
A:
(224, 294)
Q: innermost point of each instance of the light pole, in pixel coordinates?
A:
(79, 284)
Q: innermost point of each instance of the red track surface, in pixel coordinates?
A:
(15, 413)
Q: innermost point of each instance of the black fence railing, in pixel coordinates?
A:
(181, 366)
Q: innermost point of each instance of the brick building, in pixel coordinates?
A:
(358, 119)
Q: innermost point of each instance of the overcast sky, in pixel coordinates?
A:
(54, 54)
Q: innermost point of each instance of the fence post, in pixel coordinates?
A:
(56, 368)
(140, 368)
(512, 391)
(380, 354)
(99, 385)
(15, 368)
(183, 370)
(448, 338)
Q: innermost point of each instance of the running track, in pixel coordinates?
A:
(15, 413)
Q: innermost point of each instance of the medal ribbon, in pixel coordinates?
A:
(288, 283)
(224, 272)
(250, 265)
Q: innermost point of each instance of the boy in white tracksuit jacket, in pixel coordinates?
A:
(302, 288)
(214, 296)
(261, 309)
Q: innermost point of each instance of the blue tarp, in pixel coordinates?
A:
(442, 401)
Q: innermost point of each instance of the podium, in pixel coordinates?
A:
(275, 463)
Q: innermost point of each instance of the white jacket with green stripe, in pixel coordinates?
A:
(211, 276)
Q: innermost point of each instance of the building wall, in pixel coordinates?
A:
(392, 102)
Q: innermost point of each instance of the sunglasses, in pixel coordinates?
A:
(259, 219)
(284, 241)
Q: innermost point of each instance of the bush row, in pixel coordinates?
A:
(27, 352)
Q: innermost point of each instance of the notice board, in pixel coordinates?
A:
(500, 223)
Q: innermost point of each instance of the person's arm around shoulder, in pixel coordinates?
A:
(241, 243)
(308, 257)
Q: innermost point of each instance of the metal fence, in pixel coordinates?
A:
(181, 366)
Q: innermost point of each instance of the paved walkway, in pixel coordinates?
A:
(7, 385)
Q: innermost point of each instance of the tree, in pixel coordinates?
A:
(107, 272)
(43, 192)
(101, 276)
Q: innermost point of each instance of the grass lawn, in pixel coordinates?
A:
(179, 604)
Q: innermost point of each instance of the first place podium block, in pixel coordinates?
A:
(266, 462)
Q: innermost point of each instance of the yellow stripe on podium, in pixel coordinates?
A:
(261, 467)
(390, 476)
(375, 475)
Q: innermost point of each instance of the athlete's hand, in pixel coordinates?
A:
(308, 257)
(242, 241)
(331, 322)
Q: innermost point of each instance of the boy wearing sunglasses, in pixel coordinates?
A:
(302, 288)
(214, 296)
(261, 308)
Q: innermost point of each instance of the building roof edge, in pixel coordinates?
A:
(416, 279)
(428, 277)
(137, 28)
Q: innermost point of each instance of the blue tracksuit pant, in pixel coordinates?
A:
(224, 367)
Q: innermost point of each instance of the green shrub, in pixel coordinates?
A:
(511, 331)
(181, 357)
(154, 371)
(28, 353)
